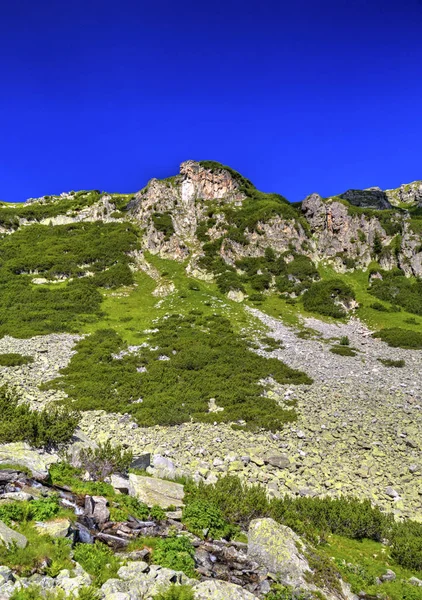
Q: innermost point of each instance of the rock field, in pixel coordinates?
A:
(359, 427)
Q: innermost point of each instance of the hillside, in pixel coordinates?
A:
(242, 343)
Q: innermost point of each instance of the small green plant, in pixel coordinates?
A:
(15, 360)
(176, 592)
(400, 338)
(343, 351)
(104, 460)
(50, 428)
(344, 340)
(206, 521)
(175, 552)
(389, 362)
(41, 551)
(98, 560)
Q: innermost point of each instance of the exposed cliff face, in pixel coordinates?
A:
(207, 202)
(409, 194)
(183, 199)
(172, 210)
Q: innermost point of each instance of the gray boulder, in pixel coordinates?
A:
(9, 536)
(151, 490)
(221, 590)
(20, 453)
(276, 548)
(96, 508)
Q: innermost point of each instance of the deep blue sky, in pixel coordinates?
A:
(299, 96)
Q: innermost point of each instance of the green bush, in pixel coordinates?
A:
(378, 306)
(164, 223)
(50, 428)
(398, 289)
(58, 252)
(32, 510)
(400, 338)
(206, 521)
(343, 351)
(406, 541)
(176, 592)
(102, 461)
(344, 341)
(207, 360)
(176, 552)
(327, 298)
(14, 360)
(389, 362)
(42, 554)
(237, 502)
(98, 560)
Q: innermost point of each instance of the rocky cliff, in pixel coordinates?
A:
(206, 203)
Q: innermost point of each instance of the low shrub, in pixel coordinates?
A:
(379, 307)
(176, 592)
(98, 560)
(343, 351)
(400, 338)
(328, 298)
(344, 341)
(206, 520)
(32, 510)
(42, 554)
(52, 427)
(104, 460)
(175, 552)
(15, 360)
(208, 359)
(389, 362)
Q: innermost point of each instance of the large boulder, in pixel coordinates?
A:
(151, 490)
(57, 528)
(277, 548)
(96, 509)
(21, 454)
(9, 536)
(221, 590)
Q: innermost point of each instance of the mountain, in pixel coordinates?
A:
(212, 329)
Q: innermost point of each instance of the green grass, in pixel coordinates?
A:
(343, 351)
(360, 562)
(14, 360)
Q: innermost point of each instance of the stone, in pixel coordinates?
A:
(96, 508)
(275, 547)
(391, 492)
(20, 453)
(388, 576)
(58, 528)
(9, 536)
(132, 570)
(141, 462)
(17, 496)
(163, 466)
(221, 590)
(281, 462)
(151, 490)
(119, 483)
(415, 581)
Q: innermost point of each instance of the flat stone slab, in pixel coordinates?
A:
(221, 590)
(21, 454)
(156, 491)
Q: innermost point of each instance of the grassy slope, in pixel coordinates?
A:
(361, 562)
(129, 311)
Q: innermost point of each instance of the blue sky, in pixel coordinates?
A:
(298, 96)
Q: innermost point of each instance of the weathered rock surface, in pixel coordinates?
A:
(276, 548)
(156, 491)
(20, 453)
(57, 528)
(9, 536)
(221, 590)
